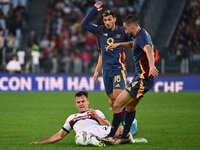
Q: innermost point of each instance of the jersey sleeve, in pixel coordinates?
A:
(101, 114)
(66, 127)
(142, 40)
(98, 45)
(86, 23)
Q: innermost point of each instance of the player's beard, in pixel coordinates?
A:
(110, 27)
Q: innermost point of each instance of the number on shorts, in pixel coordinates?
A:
(117, 78)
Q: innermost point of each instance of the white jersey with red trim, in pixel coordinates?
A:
(86, 122)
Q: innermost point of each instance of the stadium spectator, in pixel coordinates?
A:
(31, 40)
(21, 58)
(13, 65)
(11, 43)
(35, 58)
(2, 20)
(44, 42)
(55, 62)
(77, 62)
(90, 40)
(15, 3)
(2, 39)
(86, 58)
(67, 61)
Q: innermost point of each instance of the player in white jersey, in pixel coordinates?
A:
(88, 120)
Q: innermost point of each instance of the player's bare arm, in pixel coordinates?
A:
(98, 67)
(98, 5)
(101, 120)
(56, 137)
(123, 44)
(152, 68)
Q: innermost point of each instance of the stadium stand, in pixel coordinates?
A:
(186, 41)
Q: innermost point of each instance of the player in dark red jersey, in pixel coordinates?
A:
(145, 71)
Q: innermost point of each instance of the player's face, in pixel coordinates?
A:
(82, 103)
(128, 29)
(109, 22)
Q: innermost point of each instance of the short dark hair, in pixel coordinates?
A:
(131, 19)
(80, 93)
(108, 12)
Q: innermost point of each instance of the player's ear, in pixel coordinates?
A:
(115, 19)
(88, 101)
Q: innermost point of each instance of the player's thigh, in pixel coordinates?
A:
(122, 100)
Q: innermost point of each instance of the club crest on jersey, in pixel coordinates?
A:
(118, 36)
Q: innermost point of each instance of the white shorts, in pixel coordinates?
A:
(100, 131)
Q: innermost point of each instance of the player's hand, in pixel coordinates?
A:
(98, 5)
(112, 46)
(93, 112)
(35, 143)
(153, 71)
(95, 76)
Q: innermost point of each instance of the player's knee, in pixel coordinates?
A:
(117, 108)
(111, 103)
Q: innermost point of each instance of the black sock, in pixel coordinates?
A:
(130, 116)
(117, 118)
(123, 118)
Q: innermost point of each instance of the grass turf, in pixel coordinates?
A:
(167, 120)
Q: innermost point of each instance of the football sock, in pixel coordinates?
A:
(128, 122)
(124, 115)
(117, 118)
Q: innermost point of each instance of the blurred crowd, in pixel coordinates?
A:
(186, 42)
(13, 20)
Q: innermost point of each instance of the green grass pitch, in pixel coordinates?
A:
(170, 121)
